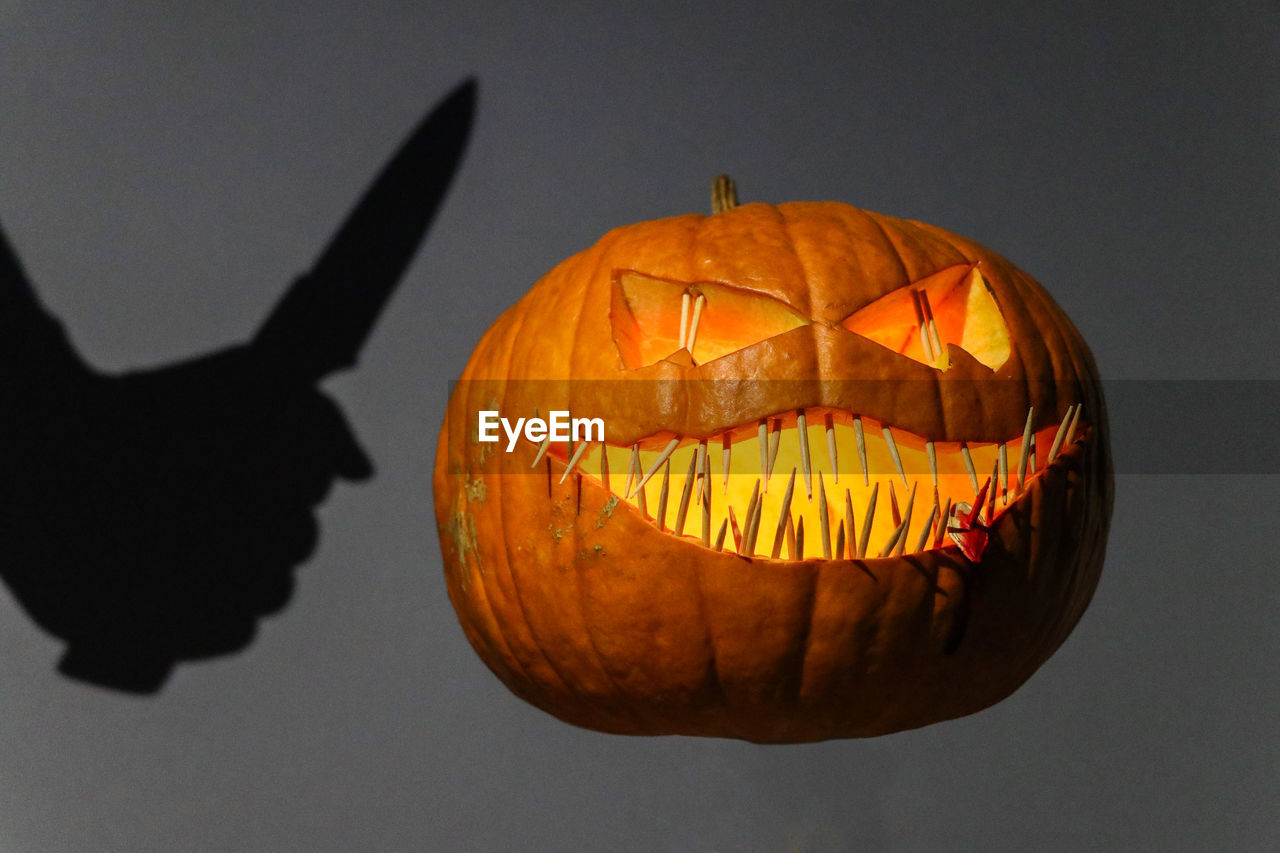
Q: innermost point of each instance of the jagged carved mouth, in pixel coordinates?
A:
(821, 483)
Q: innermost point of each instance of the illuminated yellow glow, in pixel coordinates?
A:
(953, 481)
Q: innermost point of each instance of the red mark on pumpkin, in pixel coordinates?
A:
(968, 529)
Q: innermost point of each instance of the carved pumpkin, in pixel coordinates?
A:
(855, 479)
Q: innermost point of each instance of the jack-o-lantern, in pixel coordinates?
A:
(854, 478)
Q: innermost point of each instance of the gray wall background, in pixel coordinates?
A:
(165, 173)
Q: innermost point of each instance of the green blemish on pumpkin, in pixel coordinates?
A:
(462, 530)
(606, 511)
(476, 490)
(461, 545)
(474, 542)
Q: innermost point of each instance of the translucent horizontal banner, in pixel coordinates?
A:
(880, 427)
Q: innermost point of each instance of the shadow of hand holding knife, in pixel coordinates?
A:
(156, 516)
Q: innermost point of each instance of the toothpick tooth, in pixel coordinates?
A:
(775, 439)
(994, 482)
(928, 529)
(642, 499)
(840, 541)
(662, 457)
(573, 460)
(932, 324)
(762, 438)
(802, 427)
(893, 451)
(906, 524)
(824, 523)
(1023, 452)
(799, 555)
(724, 526)
(1057, 437)
(933, 461)
(704, 469)
(752, 521)
(706, 481)
(689, 477)
(942, 524)
(936, 505)
(633, 468)
(926, 345)
(684, 318)
(893, 541)
(1031, 455)
(968, 466)
(706, 504)
(865, 538)
(693, 327)
(751, 504)
(604, 466)
(755, 527)
(979, 500)
(737, 532)
(660, 517)
(893, 505)
(791, 538)
(784, 515)
(542, 451)
(726, 452)
(848, 523)
(1003, 462)
(1071, 430)
(831, 448)
(862, 449)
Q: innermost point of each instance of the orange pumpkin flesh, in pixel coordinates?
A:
(587, 604)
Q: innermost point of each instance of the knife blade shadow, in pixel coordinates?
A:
(154, 517)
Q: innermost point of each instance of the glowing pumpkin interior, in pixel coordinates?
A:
(650, 315)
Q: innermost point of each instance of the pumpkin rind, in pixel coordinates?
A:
(588, 611)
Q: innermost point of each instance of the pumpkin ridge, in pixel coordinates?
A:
(893, 252)
(572, 686)
(601, 257)
(619, 694)
(513, 334)
(793, 696)
(713, 667)
(516, 599)
(785, 225)
(503, 645)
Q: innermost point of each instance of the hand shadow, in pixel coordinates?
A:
(154, 517)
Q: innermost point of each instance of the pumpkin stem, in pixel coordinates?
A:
(724, 194)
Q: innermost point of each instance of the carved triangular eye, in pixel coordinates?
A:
(953, 306)
(653, 318)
